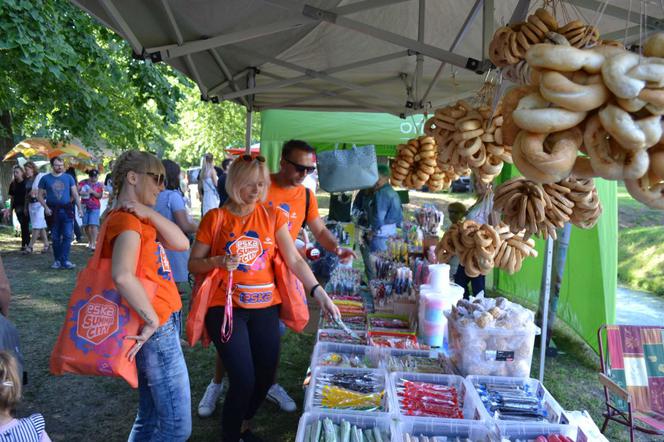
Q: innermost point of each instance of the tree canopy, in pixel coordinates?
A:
(63, 75)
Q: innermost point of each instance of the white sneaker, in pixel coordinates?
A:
(279, 396)
(213, 391)
(55, 265)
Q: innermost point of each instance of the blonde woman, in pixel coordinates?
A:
(135, 238)
(35, 210)
(246, 243)
(207, 185)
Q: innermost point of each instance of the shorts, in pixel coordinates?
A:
(37, 219)
(90, 217)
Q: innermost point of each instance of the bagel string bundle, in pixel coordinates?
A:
(531, 208)
(469, 139)
(475, 244)
(415, 165)
(604, 102)
(514, 249)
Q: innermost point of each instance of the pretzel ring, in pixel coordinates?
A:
(551, 155)
(564, 58)
(615, 74)
(607, 158)
(533, 115)
(577, 94)
(631, 134)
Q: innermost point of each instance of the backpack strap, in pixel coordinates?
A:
(307, 202)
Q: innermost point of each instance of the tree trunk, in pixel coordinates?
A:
(6, 144)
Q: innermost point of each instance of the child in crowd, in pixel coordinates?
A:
(27, 429)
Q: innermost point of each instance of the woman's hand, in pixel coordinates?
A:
(146, 333)
(140, 210)
(326, 303)
(229, 262)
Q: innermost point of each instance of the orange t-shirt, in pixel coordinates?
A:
(292, 202)
(253, 239)
(153, 261)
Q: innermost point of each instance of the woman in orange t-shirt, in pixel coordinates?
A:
(244, 243)
(134, 237)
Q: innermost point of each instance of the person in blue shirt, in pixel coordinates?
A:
(385, 212)
(57, 194)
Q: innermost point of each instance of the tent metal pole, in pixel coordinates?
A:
(214, 89)
(111, 10)
(617, 12)
(311, 74)
(381, 34)
(487, 27)
(251, 82)
(548, 264)
(462, 32)
(419, 64)
(520, 12)
(227, 73)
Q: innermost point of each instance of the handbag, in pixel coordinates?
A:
(204, 286)
(91, 341)
(294, 311)
(343, 170)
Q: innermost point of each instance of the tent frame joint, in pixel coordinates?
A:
(319, 14)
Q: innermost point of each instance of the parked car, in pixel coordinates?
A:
(461, 185)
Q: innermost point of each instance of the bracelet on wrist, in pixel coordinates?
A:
(313, 290)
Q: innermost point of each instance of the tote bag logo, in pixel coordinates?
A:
(97, 320)
(247, 248)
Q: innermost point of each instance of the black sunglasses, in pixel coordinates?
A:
(300, 168)
(158, 178)
(259, 158)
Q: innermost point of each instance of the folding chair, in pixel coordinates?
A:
(632, 374)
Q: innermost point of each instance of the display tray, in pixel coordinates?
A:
(364, 422)
(528, 432)
(341, 337)
(314, 395)
(474, 431)
(468, 403)
(331, 354)
(433, 361)
(554, 412)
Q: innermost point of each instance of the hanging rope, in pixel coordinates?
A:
(627, 22)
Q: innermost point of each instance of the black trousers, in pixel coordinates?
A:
(462, 279)
(250, 358)
(24, 221)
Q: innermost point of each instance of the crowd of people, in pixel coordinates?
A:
(248, 221)
(249, 216)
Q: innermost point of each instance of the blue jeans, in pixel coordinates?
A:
(61, 233)
(378, 244)
(164, 396)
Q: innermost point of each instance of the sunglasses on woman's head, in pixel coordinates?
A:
(259, 158)
(300, 168)
(158, 178)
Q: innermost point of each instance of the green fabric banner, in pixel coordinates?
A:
(588, 292)
(324, 130)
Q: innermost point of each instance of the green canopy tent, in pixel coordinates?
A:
(588, 292)
(324, 130)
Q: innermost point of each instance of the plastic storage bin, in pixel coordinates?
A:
(352, 356)
(469, 401)
(393, 360)
(555, 413)
(311, 391)
(492, 351)
(513, 432)
(361, 421)
(474, 430)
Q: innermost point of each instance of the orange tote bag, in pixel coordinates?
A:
(91, 341)
(294, 312)
(204, 287)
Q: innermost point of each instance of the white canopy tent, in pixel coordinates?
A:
(394, 56)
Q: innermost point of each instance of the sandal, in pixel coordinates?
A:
(46, 249)
(27, 250)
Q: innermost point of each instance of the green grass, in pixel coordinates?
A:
(641, 258)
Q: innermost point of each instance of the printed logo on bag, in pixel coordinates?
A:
(97, 320)
(247, 247)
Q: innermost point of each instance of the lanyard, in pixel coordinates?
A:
(227, 323)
